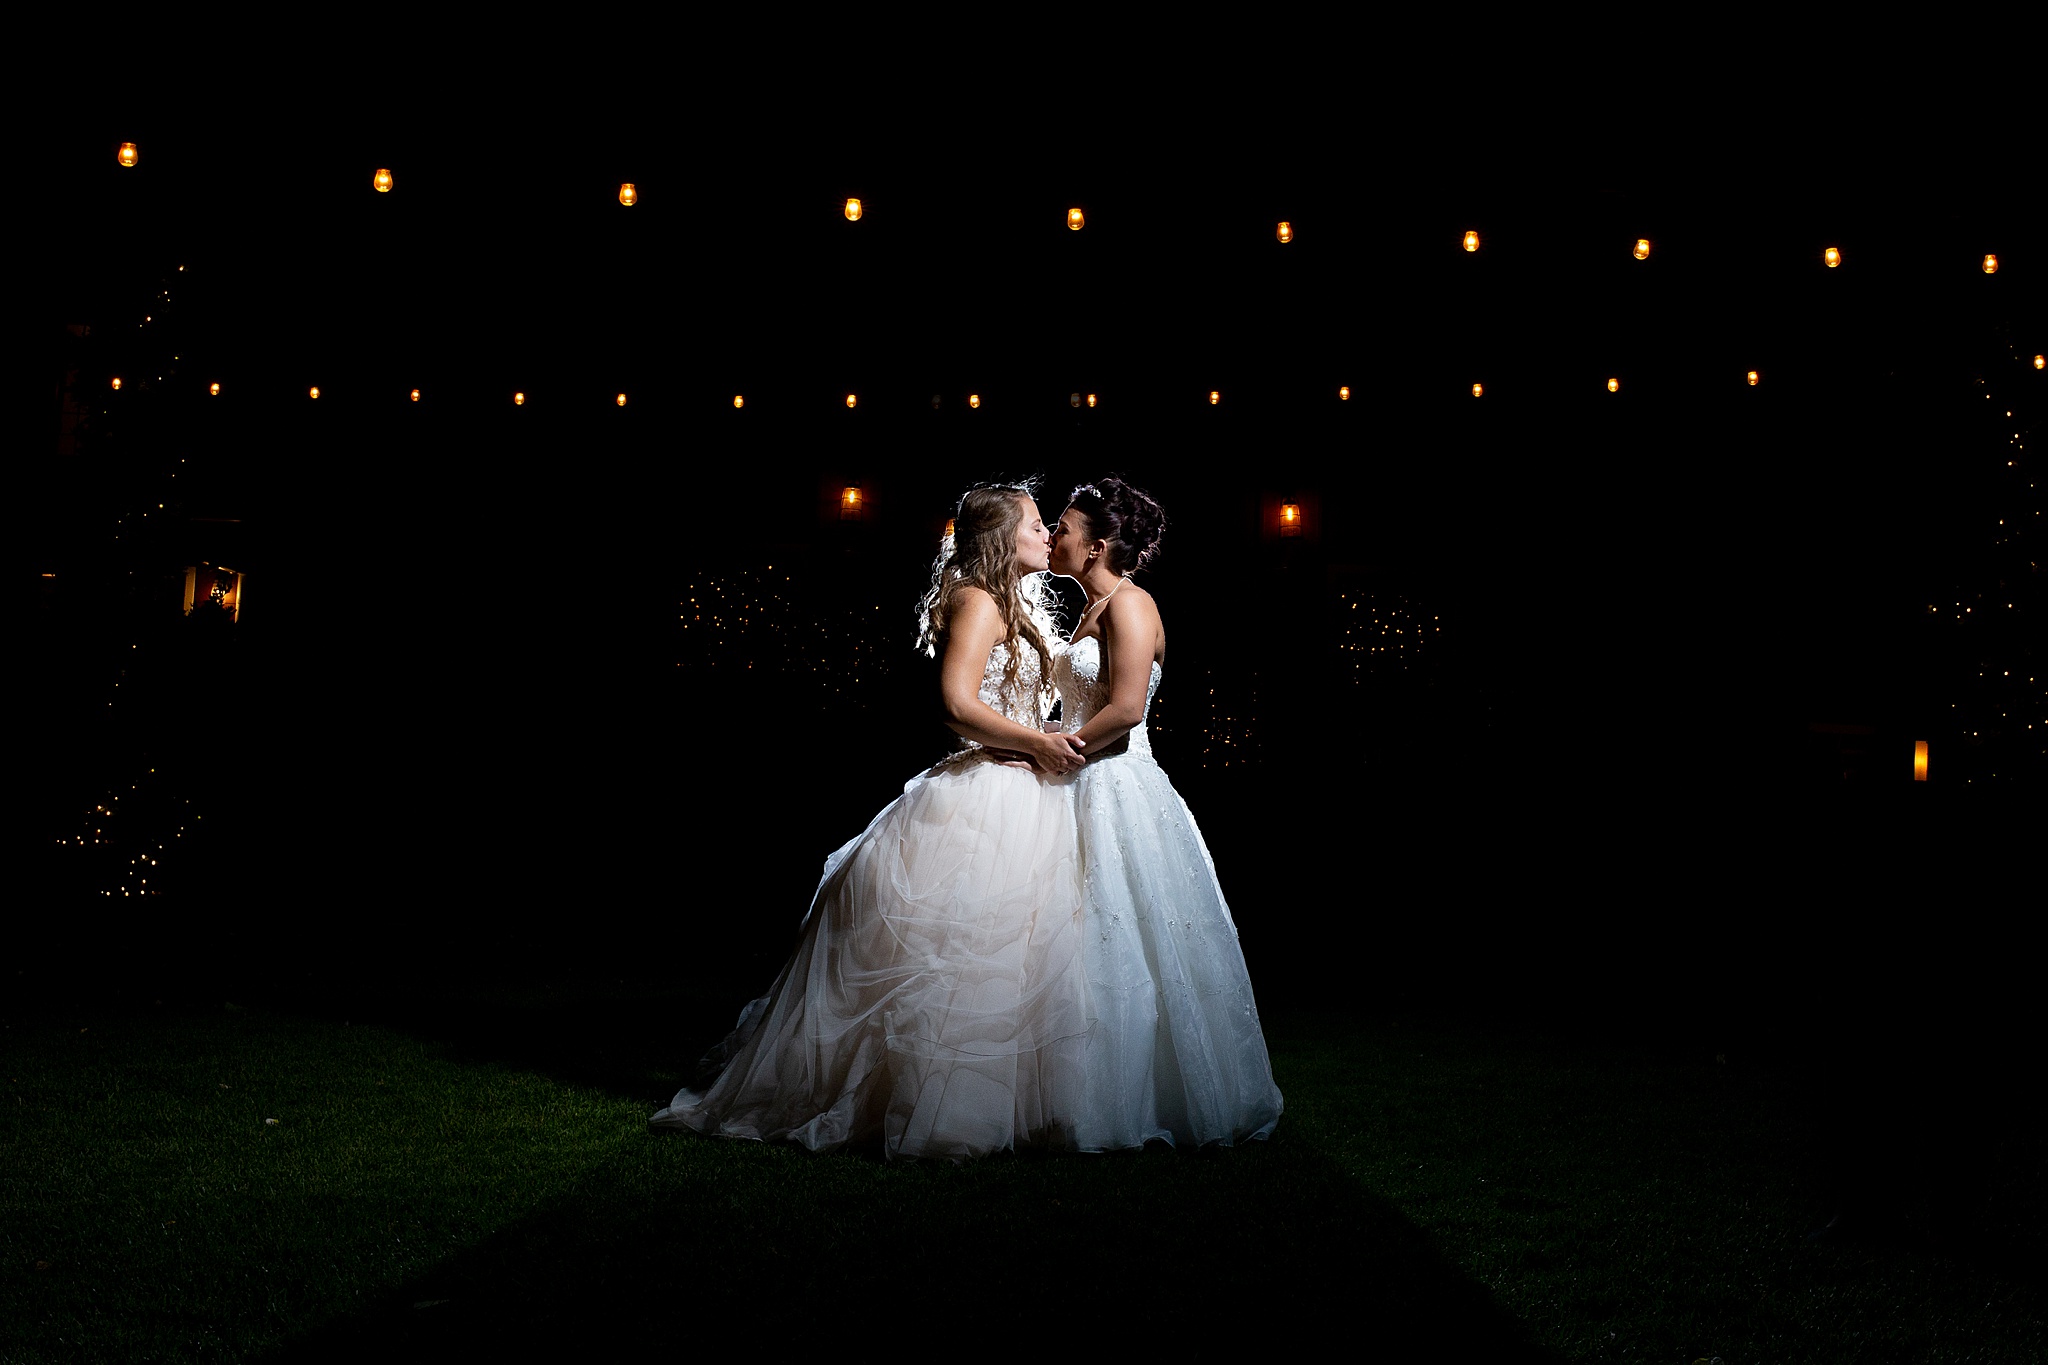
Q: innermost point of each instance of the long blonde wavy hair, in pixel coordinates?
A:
(982, 553)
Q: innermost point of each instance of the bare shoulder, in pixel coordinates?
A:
(1131, 607)
(971, 602)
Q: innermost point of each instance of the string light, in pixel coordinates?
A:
(949, 526)
(1290, 519)
(1754, 378)
(415, 395)
(739, 400)
(519, 399)
(1215, 397)
(1614, 386)
(2040, 361)
(1285, 232)
(117, 383)
(313, 392)
(213, 389)
(1073, 400)
(628, 195)
(853, 210)
(127, 155)
(621, 400)
(1991, 263)
(1642, 251)
(1343, 393)
(381, 181)
(1472, 240)
(1091, 400)
(849, 503)
(973, 400)
(1919, 760)
(1479, 390)
(1833, 256)
(850, 400)
(1076, 220)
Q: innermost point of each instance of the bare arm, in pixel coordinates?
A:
(1130, 632)
(972, 633)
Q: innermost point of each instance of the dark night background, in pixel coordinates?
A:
(1641, 755)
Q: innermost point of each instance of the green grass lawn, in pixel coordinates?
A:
(235, 1183)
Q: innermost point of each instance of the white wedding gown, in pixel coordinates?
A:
(1174, 1047)
(1002, 960)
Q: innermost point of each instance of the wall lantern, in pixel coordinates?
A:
(628, 195)
(1285, 232)
(1478, 390)
(1091, 400)
(853, 210)
(849, 504)
(1073, 400)
(1754, 378)
(739, 400)
(1290, 519)
(1642, 251)
(1833, 256)
(1919, 760)
(621, 400)
(381, 181)
(127, 156)
(519, 400)
(212, 585)
(1075, 220)
(1344, 392)
(415, 395)
(1991, 263)
(313, 392)
(213, 389)
(973, 400)
(117, 383)
(850, 400)
(1215, 397)
(949, 526)
(1471, 241)
(1614, 386)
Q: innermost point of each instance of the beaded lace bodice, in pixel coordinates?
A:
(1077, 671)
(1027, 704)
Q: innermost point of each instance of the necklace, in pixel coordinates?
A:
(1106, 596)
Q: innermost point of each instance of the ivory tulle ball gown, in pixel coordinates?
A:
(966, 982)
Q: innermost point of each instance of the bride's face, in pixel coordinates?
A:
(1070, 544)
(1034, 542)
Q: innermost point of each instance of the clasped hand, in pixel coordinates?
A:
(1052, 753)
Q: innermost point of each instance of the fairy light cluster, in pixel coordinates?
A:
(765, 622)
(128, 833)
(1228, 721)
(1379, 633)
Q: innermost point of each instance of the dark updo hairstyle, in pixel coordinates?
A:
(1125, 516)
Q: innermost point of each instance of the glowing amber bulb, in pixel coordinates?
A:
(1919, 760)
(381, 181)
(415, 395)
(1833, 256)
(1344, 392)
(1073, 400)
(1754, 378)
(127, 156)
(213, 389)
(739, 400)
(1614, 386)
(1472, 241)
(1285, 232)
(853, 210)
(1075, 220)
(1290, 519)
(313, 392)
(949, 526)
(628, 195)
(519, 400)
(850, 400)
(849, 503)
(1478, 390)
(1215, 397)
(1091, 400)
(1642, 252)
(621, 400)
(973, 400)
(1991, 263)
(2039, 361)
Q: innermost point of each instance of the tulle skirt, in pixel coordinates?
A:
(935, 1003)
(1175, 1050)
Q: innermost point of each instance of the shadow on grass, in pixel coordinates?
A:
(694, 1237)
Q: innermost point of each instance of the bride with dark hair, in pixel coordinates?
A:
(1175, 1051)
(935, 1002)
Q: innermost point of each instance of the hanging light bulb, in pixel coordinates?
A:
(853, 210)
(519, 400)
(1472, 240)
(849, 400)
(739, 400)
(1290, 519)
(117, 383)
(2039, 360)
(621, 400)
(849, 503)
(1991, 263)
(1642, 251)
(1344, 392)
(628, 195)
(1215, 397)
(1833, 256)
(1285, 232)
(1075, 220)
(1073, 400)
(1754, 378)
(1614, 386)
(415, 395)
(1091, 400)
(213, 389)
(381, 181)
(313, 392)
(973, 400)
(127, 156)
(1478, 390)
(1919, 760)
